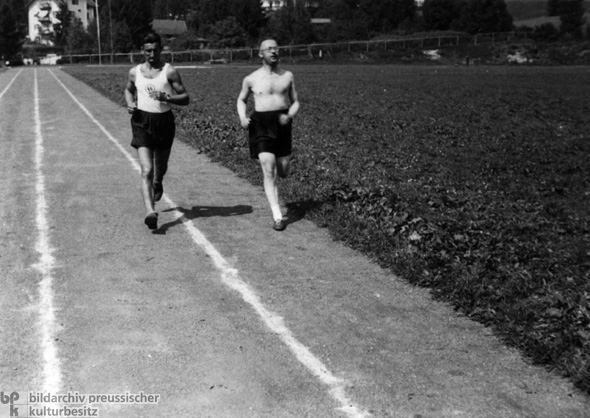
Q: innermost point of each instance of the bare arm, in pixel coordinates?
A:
(180, 96)
(294, 108)
(243, 103)
(130, 91)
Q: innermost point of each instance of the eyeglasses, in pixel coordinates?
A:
(270, 48)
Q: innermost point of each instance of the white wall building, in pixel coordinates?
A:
(271, 5)
(268, 5)
(43, 15)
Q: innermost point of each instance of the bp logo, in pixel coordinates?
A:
(13, 404)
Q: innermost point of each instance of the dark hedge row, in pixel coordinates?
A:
(472, 181)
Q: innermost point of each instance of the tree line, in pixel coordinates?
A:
(240, 23)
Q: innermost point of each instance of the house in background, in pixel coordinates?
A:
(169, 29)
(43, 17)
(272, 5)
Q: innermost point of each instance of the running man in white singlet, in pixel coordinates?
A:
(151, 89)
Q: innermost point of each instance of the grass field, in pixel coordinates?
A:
(472, 181)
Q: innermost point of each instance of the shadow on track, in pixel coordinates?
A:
(202, 212)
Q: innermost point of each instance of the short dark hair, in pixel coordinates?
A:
(152, 37)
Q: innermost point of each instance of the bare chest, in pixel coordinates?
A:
(150, 73)
(270, 86)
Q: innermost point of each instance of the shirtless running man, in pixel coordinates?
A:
(275, 106)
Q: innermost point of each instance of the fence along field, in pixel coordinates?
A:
(472, 181)
(291, 51)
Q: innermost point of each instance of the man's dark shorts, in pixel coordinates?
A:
(268, 135)
(152, 130)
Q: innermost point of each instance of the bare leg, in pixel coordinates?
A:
(161, 157)
(283, 165)
(146, 158)
(268, 162)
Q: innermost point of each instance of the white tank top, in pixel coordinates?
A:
(146, 85)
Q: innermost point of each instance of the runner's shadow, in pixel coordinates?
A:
(294, 214)
(202, 212)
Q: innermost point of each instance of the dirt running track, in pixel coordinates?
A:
(215, 312)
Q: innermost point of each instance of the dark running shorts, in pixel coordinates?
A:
(152, 130)
(268, 135)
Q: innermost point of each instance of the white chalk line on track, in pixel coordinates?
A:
(231, 278)
(10, 84)
(51, 363)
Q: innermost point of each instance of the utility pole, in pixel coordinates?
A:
(98, 31)
(111, 31)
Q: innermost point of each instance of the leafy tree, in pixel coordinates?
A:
(249, 15)
(339, 10)
(228, 33)
(546, 32)
(440, 14)
(11, 33)
(113, 24)
(405, 10)
(362, 19)
(80, 41)
(20, 13)
(484, 16)
(62, 28)
(170, 9)
(122, 41)
(137, 14)
(186, 41)
(383, 16)
(291, 24)
(572, 18)
(347, 22)
(348, 30)
(553, 7)
(206, 13)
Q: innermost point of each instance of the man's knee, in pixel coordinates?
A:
(283, 167)
(269, 172)
(267, 162)
(147, 172)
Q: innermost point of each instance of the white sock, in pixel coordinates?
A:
(276, 212)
